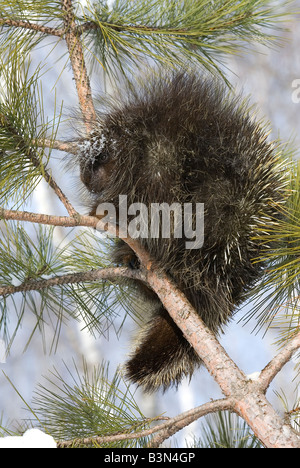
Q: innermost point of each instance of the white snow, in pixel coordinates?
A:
(15, 281)
(91, 147)
(33, 438)
(253, 376)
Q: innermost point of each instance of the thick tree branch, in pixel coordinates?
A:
(247, 397)
(250, 400)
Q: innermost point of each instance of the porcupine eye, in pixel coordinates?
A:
(100, 171)
(100, 159)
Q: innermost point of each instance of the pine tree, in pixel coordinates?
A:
(74, 279)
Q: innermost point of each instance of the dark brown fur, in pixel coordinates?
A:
(183, 138)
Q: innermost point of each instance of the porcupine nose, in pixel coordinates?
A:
(86, 169)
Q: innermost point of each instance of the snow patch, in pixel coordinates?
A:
(253, 376)
(91, 147)
(33, 438)
(14, 281)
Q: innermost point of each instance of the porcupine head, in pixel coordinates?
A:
(182, 140)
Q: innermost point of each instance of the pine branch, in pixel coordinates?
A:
(245, 397)
(170, 32)
(32, 26)
(78, 66)
(69, 33)
(51, 182)
(65, 146)
(37, 164)
(179, 422)
(277, 295)
(62, 197)
(50, 220)
(175, 33)
(250, 401)
(74, 278)
(249, 396)
(71, 36)
(277, 363)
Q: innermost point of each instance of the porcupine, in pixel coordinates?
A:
(185, 138)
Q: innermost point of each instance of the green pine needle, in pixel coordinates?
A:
(276, 297)
(25, 257)
(175, 32)
(226, 430)
(30, 256)
(22, 126)
(75, 405)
